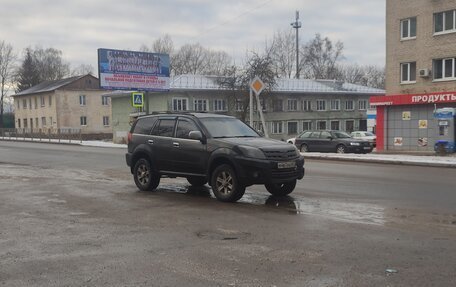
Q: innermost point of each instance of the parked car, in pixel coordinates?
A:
(218, 149)
(331, 141)
(363, 135)
(291, 141)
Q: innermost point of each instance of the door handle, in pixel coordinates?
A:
(175, 144)
(150, 141)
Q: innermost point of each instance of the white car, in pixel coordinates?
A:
(365, 136)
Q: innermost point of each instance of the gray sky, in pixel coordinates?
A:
(79, 28)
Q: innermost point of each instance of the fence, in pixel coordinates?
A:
(42, 135)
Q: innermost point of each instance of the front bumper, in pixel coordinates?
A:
(254, 171)
(359, 149)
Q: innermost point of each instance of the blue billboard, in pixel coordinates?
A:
(130, 70)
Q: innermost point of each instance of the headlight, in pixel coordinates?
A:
(252, 152)
(355, 144)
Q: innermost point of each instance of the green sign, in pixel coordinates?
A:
(137, 100)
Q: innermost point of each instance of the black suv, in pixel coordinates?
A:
(206, 147)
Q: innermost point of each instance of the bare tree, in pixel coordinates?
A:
(50, 64)
(7, 59)
(320, 57)
(283, 53)
(190, 59)
(82, 69)
(163, 45)
(370, 76)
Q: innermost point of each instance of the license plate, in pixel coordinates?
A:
(367, 147)
(287, 164)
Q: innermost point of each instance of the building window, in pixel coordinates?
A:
(362, 105)
(24, 103)
(292, 127)
(19, 123)
(18, 104)
(105, 100)
(306, 126)
(42, 101)
(83, 121)
(408, 28)
(43, 121)
(220, 106)
(277, 128)
(349, 105)
(31, 123)
(306, 105)
(180, 104)
(200, 105)
(292, 105)
(30, 103)
(321, 125)
(444, 22)
(106, 121)
(36, 103)
(50, 121)
(444, 69)
(321, 105)
(239, 106)
(408, 73)
(82, 100)
(335, 125)
(50, 100)
(335, 105)
(36, 122)
(277, 105)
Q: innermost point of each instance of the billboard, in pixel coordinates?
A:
(130, 70)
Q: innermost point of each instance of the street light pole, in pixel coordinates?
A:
(296, 25)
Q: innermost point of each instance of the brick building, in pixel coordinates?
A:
(420, 73)
(72, 103)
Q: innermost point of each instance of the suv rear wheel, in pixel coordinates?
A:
(225, 184)
(196, 181)
(145, 177)
(281, 189)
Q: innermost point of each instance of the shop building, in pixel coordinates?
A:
(420, 73)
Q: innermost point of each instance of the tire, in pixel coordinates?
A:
(145, 178)
(196, 181)
(304, 148)
(281, 189)
(341, 149)
(225, 184)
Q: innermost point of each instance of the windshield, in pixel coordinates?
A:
(228, 128)
(341, 135)
(369, 134)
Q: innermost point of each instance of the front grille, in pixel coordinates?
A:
(280, 155)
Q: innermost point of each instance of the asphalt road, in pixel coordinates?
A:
(72, 216)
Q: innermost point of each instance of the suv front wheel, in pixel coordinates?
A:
(225, 184)
(145, 177)
(281, 189)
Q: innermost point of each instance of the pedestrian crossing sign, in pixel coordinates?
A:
(137, 100)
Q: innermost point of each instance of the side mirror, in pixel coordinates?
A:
(195, 135)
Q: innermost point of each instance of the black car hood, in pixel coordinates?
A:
(261, 143)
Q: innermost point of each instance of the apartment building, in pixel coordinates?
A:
(420, 73)
(72, 103)
(291, 107)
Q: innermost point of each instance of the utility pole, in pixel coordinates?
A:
(296, 25)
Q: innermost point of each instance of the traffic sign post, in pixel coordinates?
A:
(257, 86)
(137, 99)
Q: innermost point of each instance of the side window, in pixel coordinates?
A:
(315, 135)
(325, 135)
(164, 128)
(144, 125)
(184, 127)
(306, 135)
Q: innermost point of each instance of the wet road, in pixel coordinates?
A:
(71, 215)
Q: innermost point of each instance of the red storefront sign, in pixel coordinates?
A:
(418, 99)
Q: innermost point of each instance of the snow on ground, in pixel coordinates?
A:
(426, 160)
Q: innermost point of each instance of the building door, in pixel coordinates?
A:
(363, 125)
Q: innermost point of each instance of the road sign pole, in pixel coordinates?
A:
(251, 107)
(260, 110)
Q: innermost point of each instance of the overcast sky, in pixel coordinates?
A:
(79, 28)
